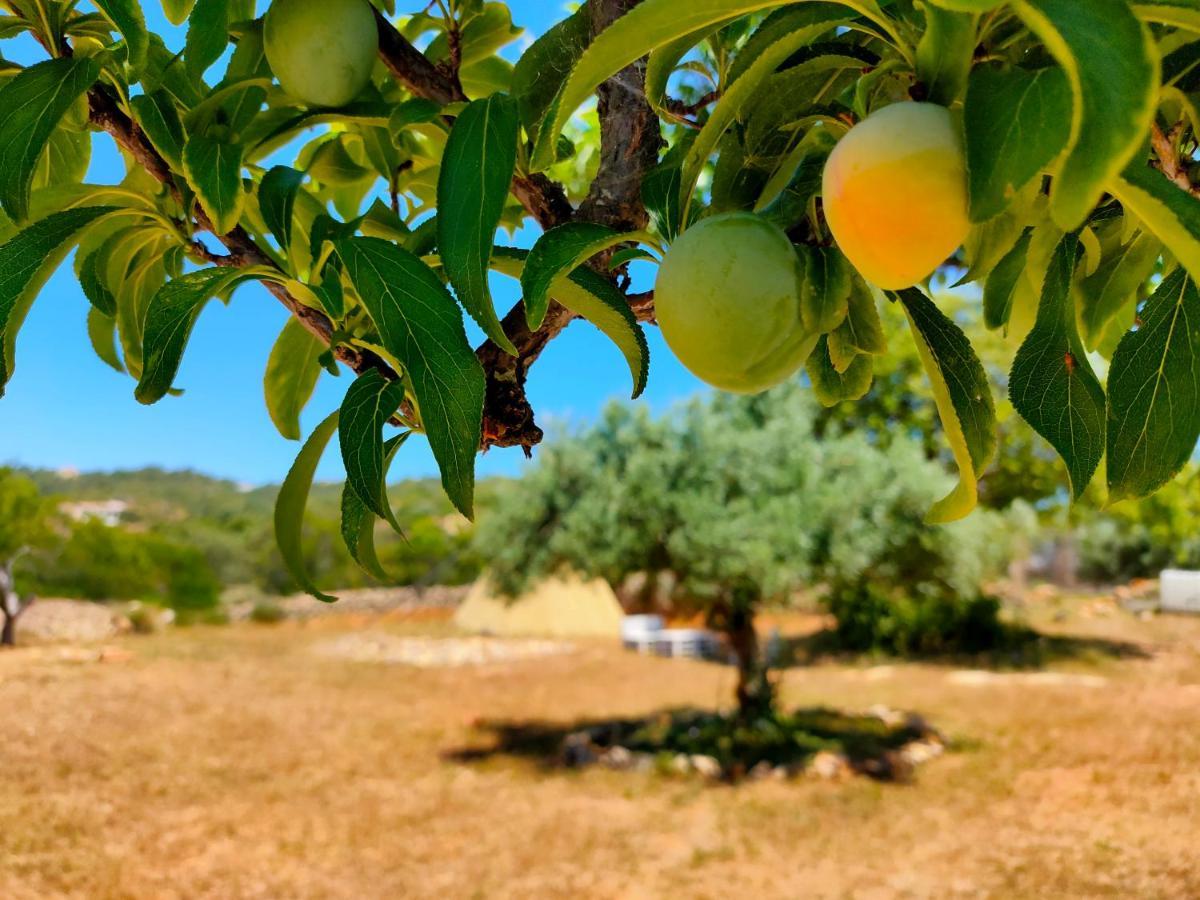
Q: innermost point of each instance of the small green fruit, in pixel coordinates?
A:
(728, 303)
(322, 51)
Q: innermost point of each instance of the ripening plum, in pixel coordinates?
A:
(895, 193)
(322, 51)
(727, 300)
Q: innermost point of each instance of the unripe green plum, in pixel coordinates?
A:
(727, 301)
(895, 193)
(322, 51)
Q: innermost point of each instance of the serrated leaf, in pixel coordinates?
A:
(737, 96)
(832, 385)
(1113, 70)
(861, 331)
(1169, 213)
(649, 25)
(277, 200)
(26, 261)
(421, 326)
(94, 288)
(825, 288)
(1016, 123)
(1052, 384)
(158, 117)
(476, 171)
(214, 170)
(1154, 392)
(170, 317)
(963, 396)
(543, 68)
(1114, 283)
(663, 61)
(102, 332)
(1002, 284)
(126, 16)
(358, 522)
(207, 35)
(293, 498)
(369, 403)
(945, 52)
(790, 206)
(31, 106)
(291, 376)
(557, 252)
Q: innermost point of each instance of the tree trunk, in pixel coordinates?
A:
(10, 606)
(8, 633)
(753, 690)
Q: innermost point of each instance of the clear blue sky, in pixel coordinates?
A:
(64, 407)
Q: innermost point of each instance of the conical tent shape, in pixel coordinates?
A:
(566, 606)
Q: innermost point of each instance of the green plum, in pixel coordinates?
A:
(322, 51)
(727, 300)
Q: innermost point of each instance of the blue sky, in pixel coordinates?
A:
(64, 407)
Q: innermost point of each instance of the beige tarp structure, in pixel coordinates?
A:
(566, 606)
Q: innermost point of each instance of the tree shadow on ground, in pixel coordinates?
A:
(867, 744)
(1019, 649)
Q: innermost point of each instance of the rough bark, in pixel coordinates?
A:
(11, 606)
(753, 690)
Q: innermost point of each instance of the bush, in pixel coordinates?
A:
(267, 612)
(872, 619)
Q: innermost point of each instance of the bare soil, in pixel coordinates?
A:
(240, 762)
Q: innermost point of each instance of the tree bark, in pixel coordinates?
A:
(10, 606)
(754, 695)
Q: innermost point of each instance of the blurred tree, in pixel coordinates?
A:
(23, 515)
(732, 503)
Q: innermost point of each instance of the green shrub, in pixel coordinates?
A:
(267, 612)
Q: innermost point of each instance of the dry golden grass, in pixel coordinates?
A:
(235, 762)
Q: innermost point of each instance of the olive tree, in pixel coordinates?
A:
(23, 515)
(723, 506)
(359, 162)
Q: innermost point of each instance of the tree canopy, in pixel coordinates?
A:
(1067, 128)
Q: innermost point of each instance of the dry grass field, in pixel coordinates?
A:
(239, 762)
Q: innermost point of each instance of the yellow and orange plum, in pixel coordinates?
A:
(727, 300)
(895, 193)
(322, 51)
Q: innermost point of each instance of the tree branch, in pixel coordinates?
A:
(1169, 162)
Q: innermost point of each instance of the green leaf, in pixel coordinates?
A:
(945, 52)
(1154, 392)
(649, 25)
(31, 105)
(976, 6)
(597, 299)
(358, 522)
(663, 62)
(102, 332)
(1170, 213)
(1113, 70)
(421, 326)
(832, 385)
(169, 320)
(293, 498)
(1001, 286)
(963, 396)
(557, 252)
(825, 288)
(158, 117)
(790, 207)
(207, 35)
(543, 68)
(277, 200)
(1109, 289)
(1016, 124)
(214, 170)
(738, 96)
(1052, 385)
(94, 288)
(861, 331)
(177, 11)
(126, 16)
(1179, 13)
(660, 196)
(292, 372)
(26, 261)
(369, 403)
(477, 169)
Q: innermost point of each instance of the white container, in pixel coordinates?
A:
(640, 632)
(1179, 591)
(693, 643)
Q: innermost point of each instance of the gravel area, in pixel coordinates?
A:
(428, 653)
